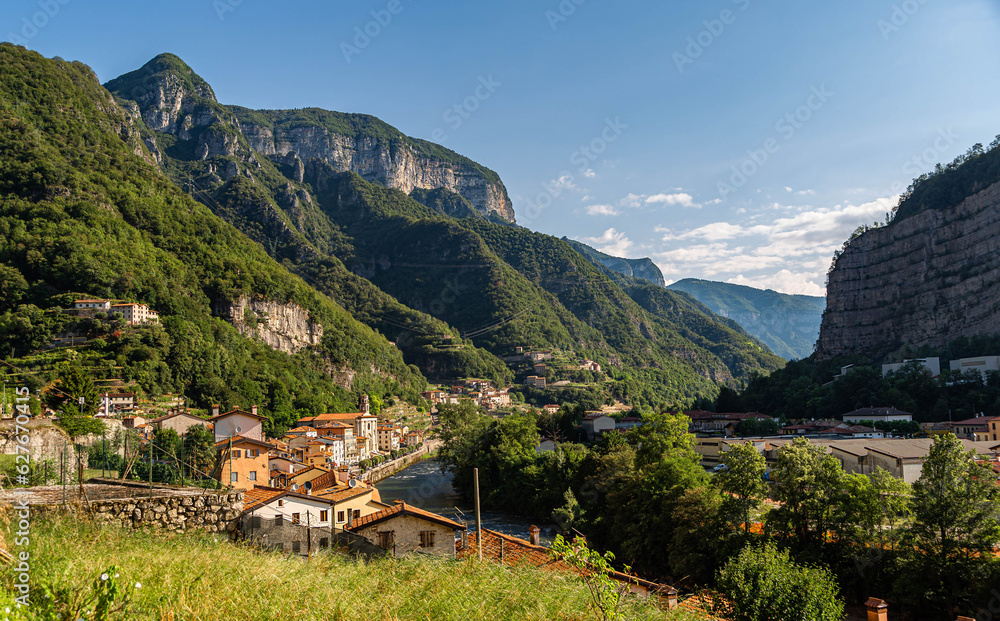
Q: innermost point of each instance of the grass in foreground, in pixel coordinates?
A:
(199, 576)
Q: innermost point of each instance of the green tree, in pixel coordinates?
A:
(662, 434)
(806, 483)
(956, 509)
(76, 398)
(743, 482)
(764, 584)
(199, 451)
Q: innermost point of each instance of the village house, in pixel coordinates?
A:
(535, 381)
(98, 305)
(977, 428)
(112, 402)
(179, 422)
(135, 314)
(413, 437)
(287, 521)
(237, 423)
(403, 529)
(352, 502)
(243, 462)
(551, 408)
(877, 415)
(133, 422)
(389, 437)
(594, 424)
(325, 452)
(590, 365)
(281, 468)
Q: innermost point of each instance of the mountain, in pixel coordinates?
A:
(439, 269)
(930, 276)
(175, 100)
(788, 324)
(85, 211)
(637, 268)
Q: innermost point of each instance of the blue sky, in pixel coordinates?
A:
(732, 140)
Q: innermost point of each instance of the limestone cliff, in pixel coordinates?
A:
(928, 278)
(395, 165)
(285, 327)
(174, 101)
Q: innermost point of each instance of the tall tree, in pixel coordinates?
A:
(956, 510)
(743, 482)
(806, 483)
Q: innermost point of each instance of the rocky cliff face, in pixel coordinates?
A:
(285, 327)
(926, 279)
(399, 167)
(173, 100)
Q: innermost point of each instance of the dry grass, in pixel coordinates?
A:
(198, 576)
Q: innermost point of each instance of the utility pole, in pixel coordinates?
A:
(309, 535)
(479, 520)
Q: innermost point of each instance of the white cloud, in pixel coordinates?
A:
(632, 200)
(788, 253)
(602, 210)
(611, 242)
(589, 173)
(680, 198)
(784, 281)
(788, 189)
(565, 182)
(806, 192)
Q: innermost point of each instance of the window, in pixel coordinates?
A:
(323, 515)
(426, 539)
(340, 516)
(252, 476)
(295, 518)
(236, 454)
(234, 477)
(324, 542)
(357, 514)
(385, 539)
(281, 503)
(279, 520)
(296, 546)
(255, 521)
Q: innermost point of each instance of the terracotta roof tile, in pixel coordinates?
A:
(401, 508)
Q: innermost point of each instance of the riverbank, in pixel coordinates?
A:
(389, 468)
(425, 485)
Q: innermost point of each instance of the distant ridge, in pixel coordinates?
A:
(643, 269)
(788, 324)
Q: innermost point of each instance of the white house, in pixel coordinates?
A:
(596, 424)
(237, 423)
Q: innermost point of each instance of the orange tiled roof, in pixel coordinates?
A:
(401, 508)
(260, 495)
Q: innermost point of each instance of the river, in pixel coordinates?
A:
(424, 485)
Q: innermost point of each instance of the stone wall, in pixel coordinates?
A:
(173, 509)
(389, 468)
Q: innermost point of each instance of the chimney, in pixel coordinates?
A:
(253, 410)
(215, 410)
(671, 598)
(877, 609)
(534, 535)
